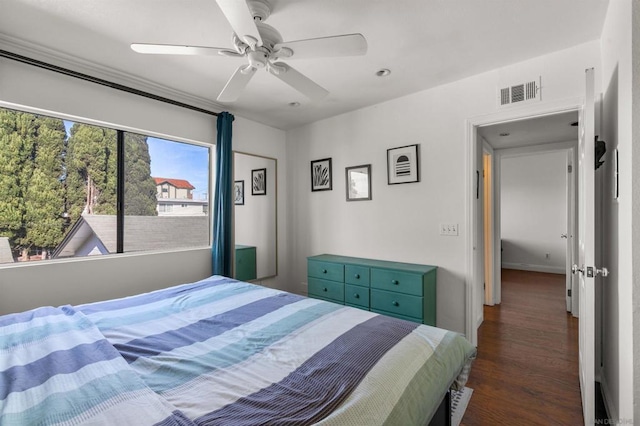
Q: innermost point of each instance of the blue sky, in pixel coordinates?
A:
(181, 161)
(177, 160)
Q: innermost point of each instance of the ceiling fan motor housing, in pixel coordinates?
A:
(270, 36)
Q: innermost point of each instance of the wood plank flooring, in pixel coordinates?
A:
(526, 372)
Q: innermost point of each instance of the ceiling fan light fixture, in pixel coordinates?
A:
(383, 72)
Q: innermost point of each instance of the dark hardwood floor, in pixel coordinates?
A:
(526, 372)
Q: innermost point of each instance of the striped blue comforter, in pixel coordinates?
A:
(56, 368)
(224, 352)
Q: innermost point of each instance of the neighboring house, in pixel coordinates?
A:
(96, 234)
(5, 251)
(176, 199)
(173, 188)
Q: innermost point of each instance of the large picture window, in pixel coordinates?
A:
(70, 189)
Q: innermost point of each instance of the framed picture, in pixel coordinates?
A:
(402, 165)
(259, 182)
(238, 192)
(321, 175)
(359, 183)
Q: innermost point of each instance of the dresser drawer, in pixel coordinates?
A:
(358, 275)
(401, 282)
(397, 303)
(326, 289)
(325, 270)
(356, 295)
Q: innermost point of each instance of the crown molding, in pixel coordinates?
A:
(74, 63)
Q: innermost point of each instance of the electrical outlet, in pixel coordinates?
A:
(449, 229)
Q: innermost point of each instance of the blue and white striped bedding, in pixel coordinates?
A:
(56, 368)
(227, 352)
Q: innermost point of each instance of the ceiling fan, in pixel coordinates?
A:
(262, 46)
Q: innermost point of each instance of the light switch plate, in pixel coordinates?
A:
(449, 229)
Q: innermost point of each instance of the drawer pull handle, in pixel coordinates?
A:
(324, 271)
(394, 282)
(324, 289)
(357, 276)
(394, 303)
(357, 296)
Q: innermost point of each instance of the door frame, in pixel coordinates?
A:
(474, 291)
(489, 222)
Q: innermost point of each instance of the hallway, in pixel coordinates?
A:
(526, 371)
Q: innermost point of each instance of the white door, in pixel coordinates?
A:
(586, 251)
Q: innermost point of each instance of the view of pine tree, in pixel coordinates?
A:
(91, 161)
(44, 195)
(31, 191)
(17, 132)
(139, 188)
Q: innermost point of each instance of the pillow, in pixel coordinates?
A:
(57, 368)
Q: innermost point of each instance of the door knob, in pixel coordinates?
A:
(564, 236)
(591, 272)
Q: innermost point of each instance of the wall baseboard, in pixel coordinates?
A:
(533, 268)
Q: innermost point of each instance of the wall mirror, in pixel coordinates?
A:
(255, 216)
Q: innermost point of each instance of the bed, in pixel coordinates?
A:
(224, 352)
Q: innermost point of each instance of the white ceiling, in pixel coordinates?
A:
(534, 131)
(424, 43)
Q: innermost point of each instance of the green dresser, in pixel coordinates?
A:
(402, 290)
(245, 263)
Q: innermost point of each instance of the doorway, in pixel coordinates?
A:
(530, 197)
(529, 128)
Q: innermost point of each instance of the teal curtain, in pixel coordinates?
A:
(221, 250)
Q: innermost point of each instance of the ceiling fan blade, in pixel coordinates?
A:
(173, 49)
(298, 81)
(239, 16)
(342, 45)
(236, 83)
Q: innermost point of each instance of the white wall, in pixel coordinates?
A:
(83, 280)
(621, 363)
(533, 215)
(402, 221)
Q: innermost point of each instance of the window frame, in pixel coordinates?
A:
(120, 202)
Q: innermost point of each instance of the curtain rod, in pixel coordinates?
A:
(96, 80)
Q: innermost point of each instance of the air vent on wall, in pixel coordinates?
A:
(519, 93)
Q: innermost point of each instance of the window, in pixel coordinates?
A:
(61, 183)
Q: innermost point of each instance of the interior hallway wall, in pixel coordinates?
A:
(533, 204)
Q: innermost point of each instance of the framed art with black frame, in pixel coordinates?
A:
(259, 182)
(238, 193)
(321, 175)
(358, 182)
(403, 165)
